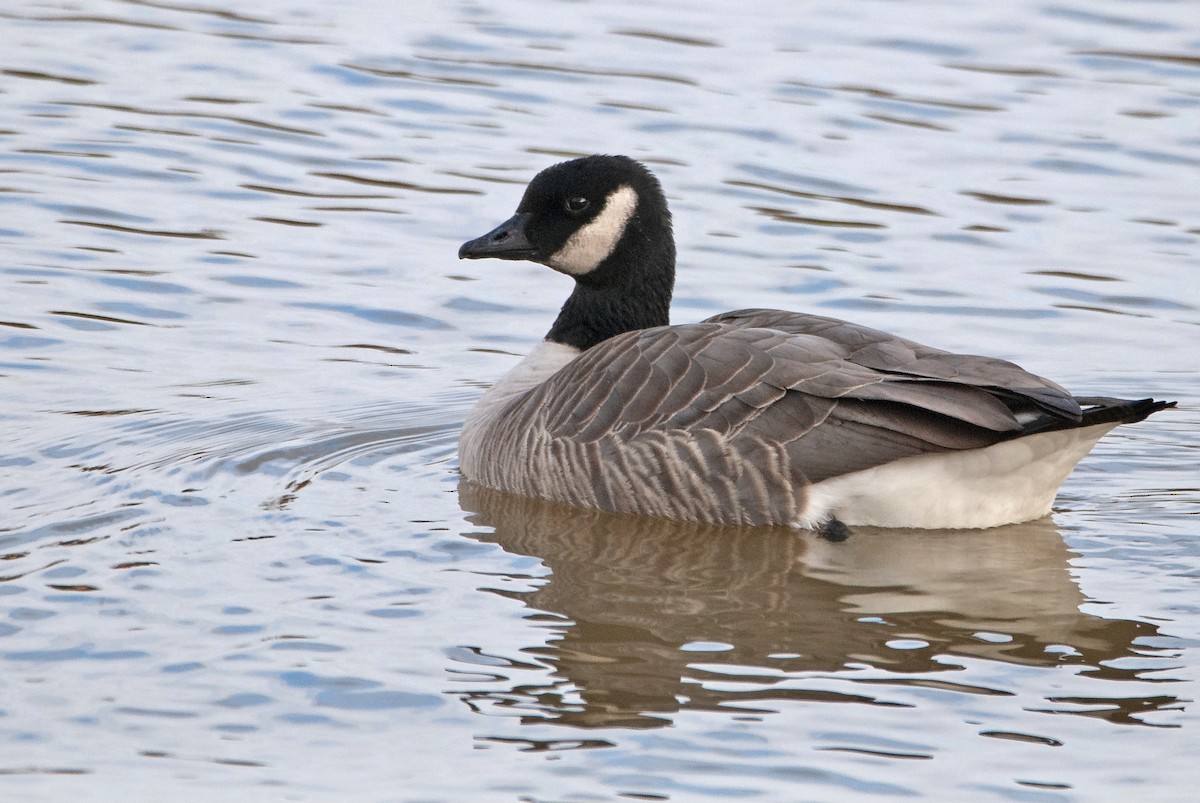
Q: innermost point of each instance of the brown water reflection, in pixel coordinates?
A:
(658, 617)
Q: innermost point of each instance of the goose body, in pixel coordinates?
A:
(755, 416)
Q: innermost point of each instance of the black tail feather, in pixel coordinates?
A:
(1102, 410)
(1096, 410)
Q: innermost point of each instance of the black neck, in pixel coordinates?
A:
(591, 316)
(630, 290)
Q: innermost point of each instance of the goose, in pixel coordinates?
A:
(757, 416)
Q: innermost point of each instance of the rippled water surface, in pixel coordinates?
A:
(236, 348)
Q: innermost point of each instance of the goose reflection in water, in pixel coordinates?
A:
(641, 598)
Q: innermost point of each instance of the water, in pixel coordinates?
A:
(235, 349)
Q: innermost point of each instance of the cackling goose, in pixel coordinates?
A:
(756, 416)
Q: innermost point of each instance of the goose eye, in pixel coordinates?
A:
(577, 203)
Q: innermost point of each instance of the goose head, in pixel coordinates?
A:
(603, 221)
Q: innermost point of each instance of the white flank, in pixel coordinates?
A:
(537, 366)
(1010, 482)
(592, 244)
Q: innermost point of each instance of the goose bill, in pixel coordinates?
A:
(506, 241)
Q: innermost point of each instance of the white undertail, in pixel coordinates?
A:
(1009, 482)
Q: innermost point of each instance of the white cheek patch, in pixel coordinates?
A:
(593, 243)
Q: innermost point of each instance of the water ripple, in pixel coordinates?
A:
(237, 347)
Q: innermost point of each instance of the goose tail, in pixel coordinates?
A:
(1104, 410)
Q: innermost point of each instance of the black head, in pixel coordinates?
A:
(604, 221)
(574, 215)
